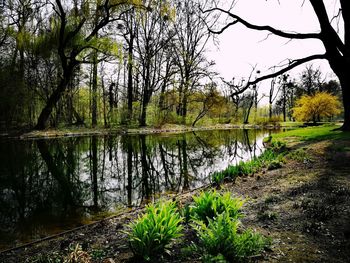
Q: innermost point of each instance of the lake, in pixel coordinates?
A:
(51, 185)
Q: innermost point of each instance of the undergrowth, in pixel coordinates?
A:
(271, 158)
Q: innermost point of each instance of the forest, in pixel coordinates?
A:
(133, 63)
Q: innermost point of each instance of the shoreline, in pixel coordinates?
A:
(167, 129)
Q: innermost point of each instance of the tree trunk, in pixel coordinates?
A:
(145, 102)
(94, 92)
(130, 76)
(246, 118)
(345, 85)
(52, 101)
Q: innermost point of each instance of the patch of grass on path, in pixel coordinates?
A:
(319, 133)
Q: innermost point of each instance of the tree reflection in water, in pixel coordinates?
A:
(47, 186)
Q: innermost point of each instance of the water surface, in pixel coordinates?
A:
(47, 186)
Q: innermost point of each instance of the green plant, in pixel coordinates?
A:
(209, 204)
(152, 233)
(97, 254)
(219, 177)
(278, 146)
(299, 155)
(220, 239)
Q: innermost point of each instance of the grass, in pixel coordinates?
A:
(318, 133)
(270, 158)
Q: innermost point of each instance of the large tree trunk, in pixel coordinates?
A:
(52, 101)
(345, 86)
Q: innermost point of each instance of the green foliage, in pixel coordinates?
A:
(313, 108)
(265, 121)
(219, 177)
(152, 233)
(210, 204)
(271, 158)
(299, 155)
(220, 239)
(278, 146)
(97, 254)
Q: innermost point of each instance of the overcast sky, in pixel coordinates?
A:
(241, 48)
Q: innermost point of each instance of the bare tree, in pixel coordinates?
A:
(337, 47)
(189, 45)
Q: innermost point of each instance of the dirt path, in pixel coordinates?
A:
(303, 206)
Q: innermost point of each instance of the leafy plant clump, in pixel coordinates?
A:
(153, 232)
(220, 240)
(210, 204)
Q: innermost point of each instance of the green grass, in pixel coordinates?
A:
(318, 133)
(270, 158)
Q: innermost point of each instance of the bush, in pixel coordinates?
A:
(265, 121)
(210, 204)
(219, 239)
(152, 233)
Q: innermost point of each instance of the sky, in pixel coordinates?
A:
(240, 48)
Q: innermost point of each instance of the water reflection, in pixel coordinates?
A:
(50, 185)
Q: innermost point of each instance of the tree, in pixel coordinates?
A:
(315, 107)
(311, 80)
(337, 48)
(208, 98)
(74, 36)
(189, 45)
(151, 43)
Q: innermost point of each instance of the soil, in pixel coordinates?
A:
(303, 206)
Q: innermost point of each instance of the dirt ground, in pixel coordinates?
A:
(303, 206)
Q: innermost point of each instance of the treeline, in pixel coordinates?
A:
(122, 62)
(104, 63)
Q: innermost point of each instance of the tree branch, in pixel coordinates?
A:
(275, 31)
(292, 64)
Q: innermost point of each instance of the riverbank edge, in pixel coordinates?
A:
(171, 129)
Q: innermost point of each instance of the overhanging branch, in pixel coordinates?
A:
(273, 30)
(292, 64)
